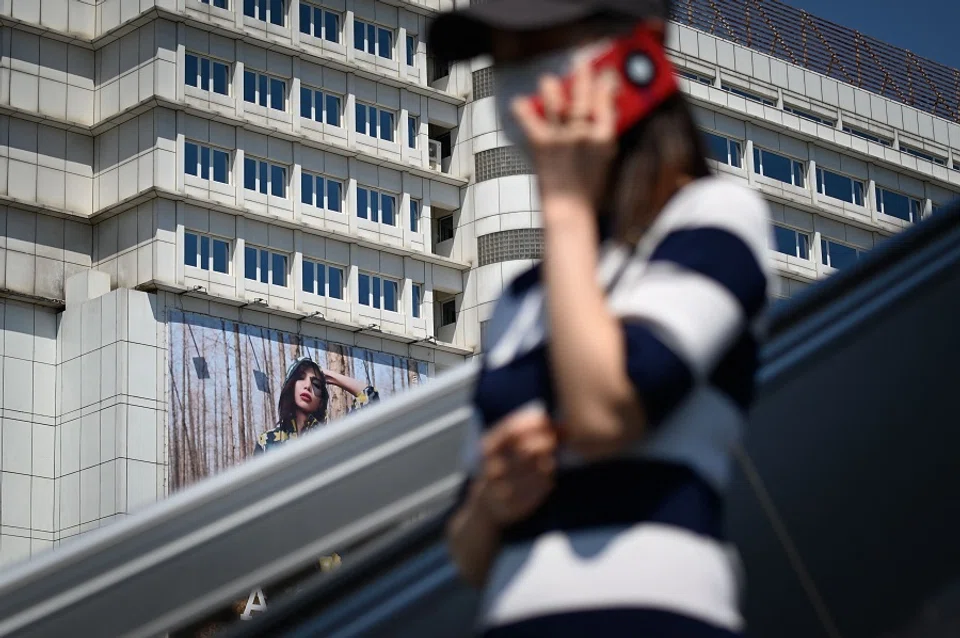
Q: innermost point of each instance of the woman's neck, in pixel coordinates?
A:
(300, 420)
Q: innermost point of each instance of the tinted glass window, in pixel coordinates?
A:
(190, 250)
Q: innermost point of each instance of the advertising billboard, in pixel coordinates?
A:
(237, 390)
(226, 382)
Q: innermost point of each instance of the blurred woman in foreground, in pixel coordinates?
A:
(619, 370)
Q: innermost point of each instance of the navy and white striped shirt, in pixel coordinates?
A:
(687, 297)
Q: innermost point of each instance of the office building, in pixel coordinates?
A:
(306, 167)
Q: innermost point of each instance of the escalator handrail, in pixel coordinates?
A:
(362, 570)
(266, 491)
(323, 594)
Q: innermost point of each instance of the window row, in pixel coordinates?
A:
(318, 191)
(797, 243)
(316, 104)
(831, 184)
(326, 24)
(317, 278)
(817, 118)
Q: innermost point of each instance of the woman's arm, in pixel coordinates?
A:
(353, 386)
(601, 410)
(574, 144)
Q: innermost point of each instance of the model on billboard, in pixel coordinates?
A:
(619, 370)
(302, 407)
(304, 398)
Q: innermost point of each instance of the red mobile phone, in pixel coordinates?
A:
(646, 76)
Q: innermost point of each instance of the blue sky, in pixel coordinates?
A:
(929, 28)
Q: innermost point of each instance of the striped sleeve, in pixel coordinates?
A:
(705, 282)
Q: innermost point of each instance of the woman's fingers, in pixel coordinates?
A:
(604, 108)
(533, 124)
(581, 105)
(513, 428)
(555, 103)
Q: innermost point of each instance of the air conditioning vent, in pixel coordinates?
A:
(434, 155)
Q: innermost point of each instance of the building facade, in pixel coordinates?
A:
(307, 167)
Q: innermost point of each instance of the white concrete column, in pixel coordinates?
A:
(404, 135)
(238, 170)
(348, 33)
(812, 180)
(296, 273)
(239, 259)
(871, 201)
(748, 159)
(295, 96)
(817, 254)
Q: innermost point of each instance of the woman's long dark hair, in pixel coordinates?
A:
(661, 148)
(287, 405)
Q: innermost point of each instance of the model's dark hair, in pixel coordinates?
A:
(652, 156)
(287, 405)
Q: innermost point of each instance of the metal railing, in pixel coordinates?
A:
(793, 35)
(250, 525)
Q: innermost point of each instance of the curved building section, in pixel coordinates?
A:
(503, 198)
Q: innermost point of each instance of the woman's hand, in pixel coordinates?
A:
(518, 467)
(574, 142)
(515, 478)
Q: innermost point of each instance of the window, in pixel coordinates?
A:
(807, 115)
(207, 74)
(417, 300)
(375, 122)
(265, 266)
(322, 192)
(898, 205)
(778, 167)
(321, 279)
(445, 228)
(436, 68)
(264, 177)
(320, 23)
(221, 4)
(206, 162)
(320, 106)
(839, 187)
(271, 11)
(377, 292)
(448, 312)
(695, 77)
(791, 242)
(376, 206)
(723, 149)
(206, 253)
(753, 97)
(924, 156)
(372, 39)
(870, 137)
(264, 90)
(838, 255)
(414, 215)
(411, 50)
(413, 128)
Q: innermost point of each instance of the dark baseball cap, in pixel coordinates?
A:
(466, 33)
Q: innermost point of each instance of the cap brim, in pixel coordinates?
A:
(464, 34)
